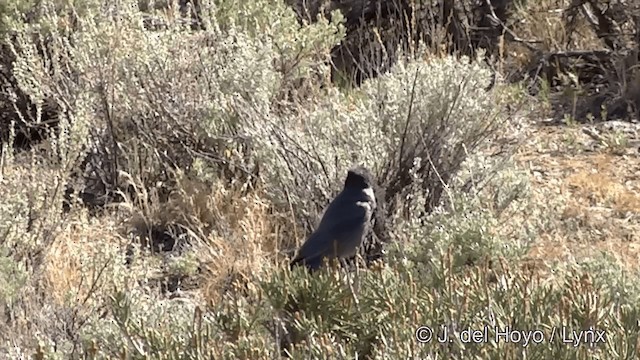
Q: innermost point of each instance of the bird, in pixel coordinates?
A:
(344, 224)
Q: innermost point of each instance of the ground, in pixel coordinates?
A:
(601, 188)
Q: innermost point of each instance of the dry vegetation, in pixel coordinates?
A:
(159, 167)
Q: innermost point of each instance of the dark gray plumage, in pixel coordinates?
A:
(344, 225)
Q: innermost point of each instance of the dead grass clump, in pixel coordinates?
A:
(244, 242)
(603, 190)
(595, 187)
(85, 261)
(231, 231)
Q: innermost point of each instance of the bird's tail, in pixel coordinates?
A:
(310, 264)
(295, 262)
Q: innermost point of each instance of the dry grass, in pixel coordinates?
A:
(83, 246)
(541, 25)
(599, 193)
(249, 248)
(230, 211)
(587, 199)
(543, 21)
(233, 231)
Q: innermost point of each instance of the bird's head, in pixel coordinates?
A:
(359, 178)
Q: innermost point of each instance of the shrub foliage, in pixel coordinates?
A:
(232, 137)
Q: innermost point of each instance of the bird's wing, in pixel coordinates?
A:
(344, 228)
(342, 207)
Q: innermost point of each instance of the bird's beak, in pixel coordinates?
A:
(369, 192)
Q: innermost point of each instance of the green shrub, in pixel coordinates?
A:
(136, 103)
(142, 104)
(434, 113)
(377, 313)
